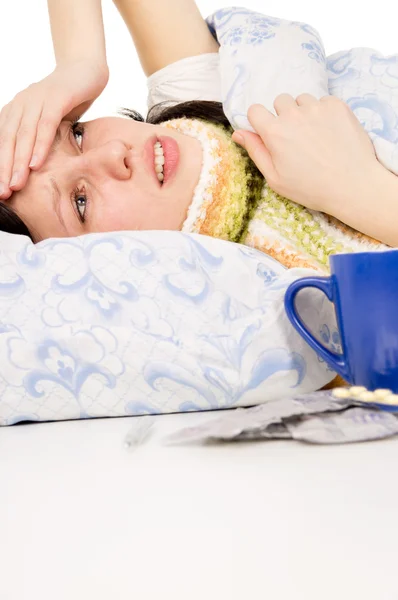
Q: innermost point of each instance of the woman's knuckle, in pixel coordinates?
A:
(19, 98)
(30, 90)
(334, 102)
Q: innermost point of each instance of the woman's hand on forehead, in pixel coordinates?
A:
(28, 124)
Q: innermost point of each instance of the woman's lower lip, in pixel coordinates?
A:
(171, 153)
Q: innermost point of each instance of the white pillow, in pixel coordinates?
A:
(262, 57)
(147, 322)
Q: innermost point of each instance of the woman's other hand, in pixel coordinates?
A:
(314, 152)
(29, 122)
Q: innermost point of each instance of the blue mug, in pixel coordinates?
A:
(364, 290)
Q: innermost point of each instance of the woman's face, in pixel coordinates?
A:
(102, 177)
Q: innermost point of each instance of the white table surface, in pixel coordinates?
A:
(83, 519)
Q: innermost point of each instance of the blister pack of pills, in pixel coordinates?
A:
(380, 398)
(324, 417)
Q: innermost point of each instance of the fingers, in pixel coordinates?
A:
(10, 121)
(260, 119)
(257, 151)
(46, 130)
(306, 100)
(25, 140)
(27, 130)
(262, 148)
(284, 102)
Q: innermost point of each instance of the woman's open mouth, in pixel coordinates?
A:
(159, 160)
(167, 156)
(162, 156)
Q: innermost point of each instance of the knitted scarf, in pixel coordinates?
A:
(232, 201)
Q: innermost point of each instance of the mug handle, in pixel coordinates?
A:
(337, 361)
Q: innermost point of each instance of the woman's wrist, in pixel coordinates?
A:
(96, 63)
(97, 69)
(369, 204)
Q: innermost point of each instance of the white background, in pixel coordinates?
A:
(82, 519)
(27, 56)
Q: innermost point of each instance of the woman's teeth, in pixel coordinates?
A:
(159, 160)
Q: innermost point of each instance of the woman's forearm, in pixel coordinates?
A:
(371, 205)
(165, 31)
(77, 31)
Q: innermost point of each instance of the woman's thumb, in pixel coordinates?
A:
(256, 149)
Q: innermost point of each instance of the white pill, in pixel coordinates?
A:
(380, 393)
(366, 397)
(392, 399)
(341, 393)
(355, 390)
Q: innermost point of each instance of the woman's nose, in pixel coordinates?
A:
(113, 158)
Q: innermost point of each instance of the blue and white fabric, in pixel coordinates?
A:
(148, 322)
(262, 57)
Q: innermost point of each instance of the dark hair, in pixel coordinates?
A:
(10, 222)
(212, 112)
(194, 109)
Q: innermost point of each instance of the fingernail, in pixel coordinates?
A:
(2, 189)
(239, 139)
(33, 162)
(15, 178)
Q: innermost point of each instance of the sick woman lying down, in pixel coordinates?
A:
(311, 164)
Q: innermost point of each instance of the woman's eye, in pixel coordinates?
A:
(81, 202)
(78, 133)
